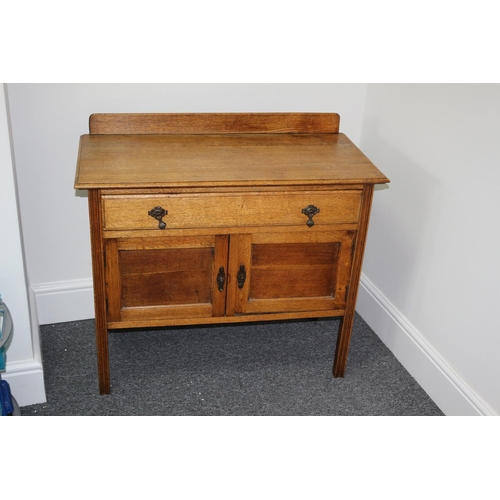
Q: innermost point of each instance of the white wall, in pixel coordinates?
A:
(23, 368)
(432, 269)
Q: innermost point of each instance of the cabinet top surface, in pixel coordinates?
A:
(154, 161)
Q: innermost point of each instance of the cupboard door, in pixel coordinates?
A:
(274, 273)
(165, 278)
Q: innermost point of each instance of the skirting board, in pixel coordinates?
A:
(64, 301)
(26, 382)
(25, 376)
(444, 386)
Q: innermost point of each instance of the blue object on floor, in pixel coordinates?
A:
(8, 403)
(6, 399)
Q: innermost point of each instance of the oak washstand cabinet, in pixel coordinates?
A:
(223, 217)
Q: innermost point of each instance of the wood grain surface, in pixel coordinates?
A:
(230, 209)
(213, 123)
(156, 161)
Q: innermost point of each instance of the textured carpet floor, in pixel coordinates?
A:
(281, 368)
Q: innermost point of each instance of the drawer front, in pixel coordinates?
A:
(307, 208)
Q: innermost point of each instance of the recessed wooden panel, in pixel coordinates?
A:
(166, 277)
(165, 261)
(281, 282)
(163, 289)
(293, 270)
(294, 254)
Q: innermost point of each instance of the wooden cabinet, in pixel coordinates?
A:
(216, 218)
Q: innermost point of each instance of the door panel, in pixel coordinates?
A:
(177, 277)
(290, 272)
(151, 278)
(299, 270)
(165, 277)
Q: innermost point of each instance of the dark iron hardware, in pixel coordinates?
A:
(242, 276)
(310, 211)
(221, 279)
(157, 213)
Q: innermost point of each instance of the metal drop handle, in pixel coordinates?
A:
(241, 277)
(310, 211)
(221, 279)
(158, 213)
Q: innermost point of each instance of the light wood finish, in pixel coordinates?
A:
(345, 328)
(228, 209)
(236, 246)
(99, 280)
(156, 161)
(288, 272)
(214, 123)
(250, 318)
(163, 278)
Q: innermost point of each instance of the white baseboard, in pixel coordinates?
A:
(26, 382)
(445, 387)
(63, 301)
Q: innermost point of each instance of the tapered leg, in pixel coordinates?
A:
(346, 322)
(102, 355)
(99, 290)
(342, 349)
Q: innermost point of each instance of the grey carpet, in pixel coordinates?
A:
(279, 368)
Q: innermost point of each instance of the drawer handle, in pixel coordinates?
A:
(241, 277)
(310, 211)
(221, 279)
(157, 213)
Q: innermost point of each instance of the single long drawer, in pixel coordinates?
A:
(196, 210)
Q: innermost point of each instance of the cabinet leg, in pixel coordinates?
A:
(98, 273)
(342, 349)
(346, 322)
(103, 358)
